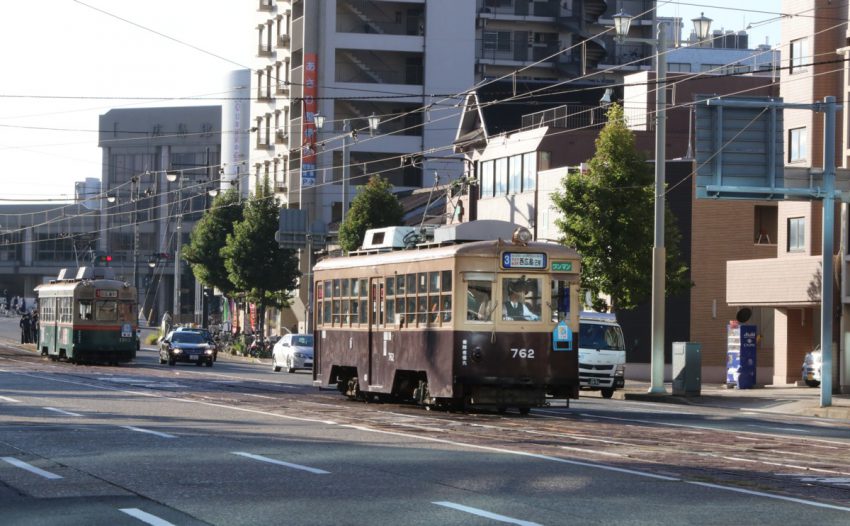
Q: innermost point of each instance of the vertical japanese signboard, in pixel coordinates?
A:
(308, 140)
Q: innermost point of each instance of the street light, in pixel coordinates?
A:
(173, 176)
(622, 21)
(374, 122)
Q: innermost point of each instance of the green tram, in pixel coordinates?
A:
(91, 317)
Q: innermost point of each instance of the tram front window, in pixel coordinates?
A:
(521, 299)
(106, 310)
(479, 301)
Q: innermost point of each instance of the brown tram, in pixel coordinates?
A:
(454, 323)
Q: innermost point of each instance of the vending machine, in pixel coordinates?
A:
(740, 355)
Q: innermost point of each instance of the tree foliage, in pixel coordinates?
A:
(208, 238)
(255, 264)
(374, 206)
(608, 215)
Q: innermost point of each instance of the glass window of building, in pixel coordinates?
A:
(797, 144)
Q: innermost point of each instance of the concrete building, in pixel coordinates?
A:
(36, 241)
(145, 212)
(784, 283)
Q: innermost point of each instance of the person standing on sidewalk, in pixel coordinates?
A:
(25, 328)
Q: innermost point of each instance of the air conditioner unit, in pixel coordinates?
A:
(480, 23)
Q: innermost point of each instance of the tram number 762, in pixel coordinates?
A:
(522, 353)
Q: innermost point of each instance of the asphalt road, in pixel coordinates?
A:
(146, 443)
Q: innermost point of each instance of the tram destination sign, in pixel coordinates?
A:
(523, 260)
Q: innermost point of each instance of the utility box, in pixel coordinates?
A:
(687, 367)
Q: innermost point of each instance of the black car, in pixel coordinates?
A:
(186, 346)
(208, 337)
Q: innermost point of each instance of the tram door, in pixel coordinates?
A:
(376, 325)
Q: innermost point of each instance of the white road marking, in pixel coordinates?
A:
(257, 396)
(788, 429)
(145, 517)
(820, 442)
(769, 495)
(487, 514)
(261, 458)
(141, 430)
(582, 450)
(6, 398)
(62, 411)
(32, 469)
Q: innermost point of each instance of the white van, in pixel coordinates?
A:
(601, 353)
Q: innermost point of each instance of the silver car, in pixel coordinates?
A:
(293, 352)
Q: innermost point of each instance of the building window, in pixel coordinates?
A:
(529, 171)
(487, 179)
(501, 187)
(515, 177)
(799, 55)
(764, 223)
(711, 68)
(497, 40)
(678, 67)
(797, 145)
(796, 234)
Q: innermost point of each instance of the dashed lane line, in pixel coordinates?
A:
(32, 469)
(261, 458)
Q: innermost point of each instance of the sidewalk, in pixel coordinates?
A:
(784, 400)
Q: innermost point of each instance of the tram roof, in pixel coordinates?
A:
(56, 287)
(492, 248)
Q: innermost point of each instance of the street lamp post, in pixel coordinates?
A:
(172, 177)
(622, 21)
(347, 133)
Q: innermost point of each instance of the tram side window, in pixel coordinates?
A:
(106, 310)
(65, 310)
(560, 300)
(479, 301)
(521, 299)
(85, 309)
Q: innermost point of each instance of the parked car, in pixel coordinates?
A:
(293, 351)
(208, 337)
(812, 367)
(186, 346)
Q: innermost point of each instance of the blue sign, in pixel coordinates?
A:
(524, 260)
(562, 337)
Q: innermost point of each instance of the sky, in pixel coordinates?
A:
(103, 54)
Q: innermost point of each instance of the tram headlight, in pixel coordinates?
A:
(477, 355)
(521, 236)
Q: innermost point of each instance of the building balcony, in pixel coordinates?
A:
(785, 281)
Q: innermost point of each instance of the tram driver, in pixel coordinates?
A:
(515, 308)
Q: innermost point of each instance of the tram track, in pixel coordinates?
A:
(798, 467)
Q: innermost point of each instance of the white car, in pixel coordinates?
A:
(292, 352)
(812, 367)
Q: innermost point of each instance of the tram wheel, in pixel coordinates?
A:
(501, 409)
(524, 411)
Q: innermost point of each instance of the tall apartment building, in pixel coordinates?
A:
(404, 61)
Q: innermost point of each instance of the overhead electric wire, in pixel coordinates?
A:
(433, 149)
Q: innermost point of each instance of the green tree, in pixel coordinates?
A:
(208, 238)
(255, 264)
(608, 215)
(374, 206)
